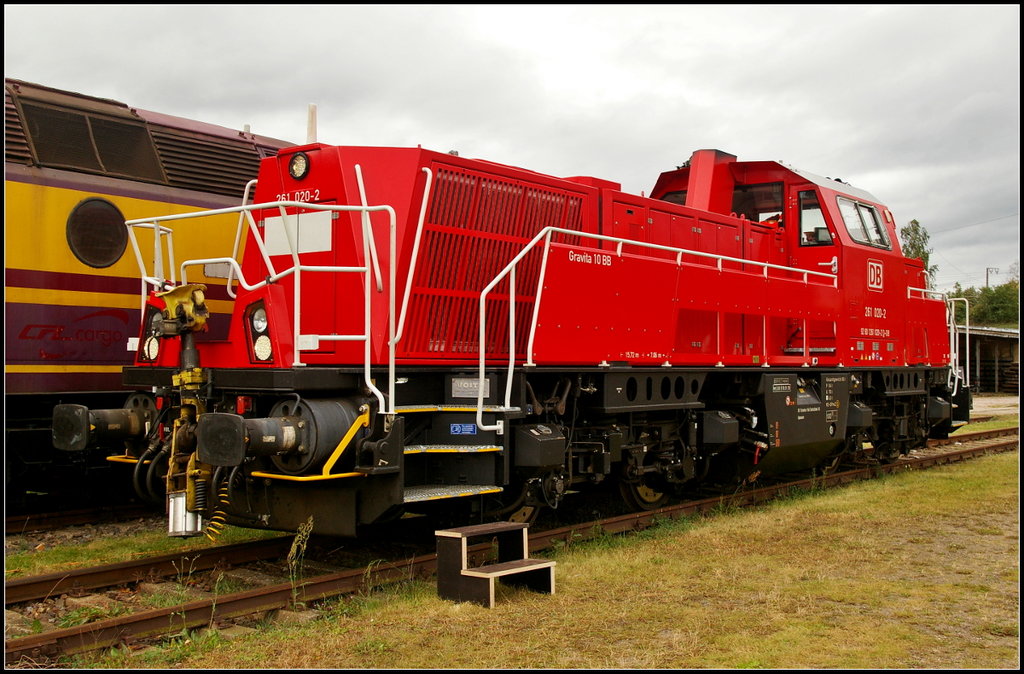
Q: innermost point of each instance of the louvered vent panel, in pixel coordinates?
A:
(15, 143)
(476, 224)
(205, 165)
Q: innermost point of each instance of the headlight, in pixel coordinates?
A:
(151, 348)
(152, 329)
(259, 320)
(298, 166)
(262, 348)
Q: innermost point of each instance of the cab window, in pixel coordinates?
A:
(863, 223)
(760, 203)
(813, 231)
(677, 197)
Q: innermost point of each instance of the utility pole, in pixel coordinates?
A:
(987, 270)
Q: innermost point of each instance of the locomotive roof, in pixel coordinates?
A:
(834, 184)
(114, 108)
(205, 128)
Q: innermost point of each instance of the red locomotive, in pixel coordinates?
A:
(419, 332)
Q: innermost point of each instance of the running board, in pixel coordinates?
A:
(433, 492)
(488, 409)
(450, 449)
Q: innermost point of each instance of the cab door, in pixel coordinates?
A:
(815, 247)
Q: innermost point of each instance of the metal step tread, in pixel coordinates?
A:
(430, 492)
(409, 409)
(450, 449)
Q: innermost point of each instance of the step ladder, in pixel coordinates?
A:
(458, 581)
(460, 421)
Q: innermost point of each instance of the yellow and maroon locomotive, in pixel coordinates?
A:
(75, 167)
(418, 332)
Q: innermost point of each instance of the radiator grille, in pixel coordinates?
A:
(476, 223)
(57, 129)
(204, 164)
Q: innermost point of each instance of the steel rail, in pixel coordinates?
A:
(34, 588)
(157, 622)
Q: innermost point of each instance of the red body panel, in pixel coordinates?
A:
(731, 291)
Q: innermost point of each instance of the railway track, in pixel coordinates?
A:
(147, 624)
(24, 523)
(28, 523)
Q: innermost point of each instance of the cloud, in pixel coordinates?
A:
(917, 104)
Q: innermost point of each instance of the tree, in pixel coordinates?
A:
(914, 240)
(997, 306)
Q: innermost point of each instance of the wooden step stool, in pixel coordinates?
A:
(458, 581)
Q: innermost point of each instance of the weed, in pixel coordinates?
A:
(88, 614)
(295, 558)
(223, 585)
(184, 574)
(368, 575)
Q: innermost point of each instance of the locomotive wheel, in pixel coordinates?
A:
(516, 511)
(887, 449)
(642, 496)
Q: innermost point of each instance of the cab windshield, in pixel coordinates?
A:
(863, 223)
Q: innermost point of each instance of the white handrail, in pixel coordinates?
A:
(955, 342)
(238, 238)
(369, 254)
(366, 223)
(415, 254)
(545, 235)
(153, 280)
(236, 268)
(953, 379)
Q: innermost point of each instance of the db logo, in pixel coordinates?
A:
(874, 275)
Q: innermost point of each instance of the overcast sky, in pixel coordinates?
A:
(919, 105)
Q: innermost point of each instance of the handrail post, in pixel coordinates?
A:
(238, 237)
(482, 378)
(415, 253)
(158, 254)
(954, 351)
(536, 300)
(366, 221)
(296, 310)
(511, 336)
(393, 336)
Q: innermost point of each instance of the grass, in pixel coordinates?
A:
(915, 570)
(996, 422)
(115, 549)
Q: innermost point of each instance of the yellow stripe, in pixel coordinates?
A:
(304, 478)
(36, 230)
(45, 369)
(77, 298)
(362, 420)
(124, 458)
